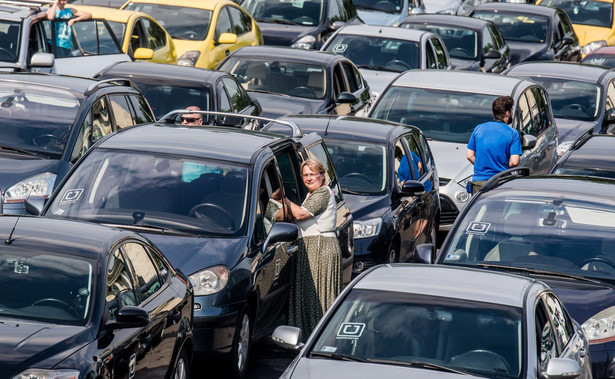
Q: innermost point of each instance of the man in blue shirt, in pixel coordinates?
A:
(494, 146)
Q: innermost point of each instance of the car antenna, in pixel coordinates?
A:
(10, 239)
(327, 128)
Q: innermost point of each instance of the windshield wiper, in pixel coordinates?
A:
(146, 227)
(379, 68)
(540, 272)
(419, 364)
(23, 151)
(337, 356)
(278, 21)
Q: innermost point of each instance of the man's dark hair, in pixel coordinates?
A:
(501, 105)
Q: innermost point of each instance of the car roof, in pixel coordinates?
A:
(341, 127)
(210, 5)
(448, 281)
(447, 19)
(78, 86)
(383, 31)
(109, 14)
(60, 235)
(18, 12)
(595, 189)
(532, 9)
(287, 54)
(596, 152)
(224, 143)
(162, 72)
(563, 70)
(460, 81)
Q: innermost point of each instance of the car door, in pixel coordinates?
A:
(348, 80)
(502, 63)
(222, 25)
(242, 26)
(149, 35)
(233, 98)
(441, 54)
(525, 122)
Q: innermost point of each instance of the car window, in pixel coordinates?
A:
(610, 97)
(269, 202)
(91, 37)
(138, 37)
(498, 41)
(523, 121)
(119, 285)
(96, 125)
(592, 12)
(287, 163)
(348, 9)
(539, 110)
(431, 57)
(156, 37)
(440, 54)
(223, 24)
(339, 84)
(37, 42)
(426, 152)
(418, 168)
(360, 165)
(224, 103)
(488, 43)
(354, 82)
(143, 114)
(336, 12)
(319, 152)
(120, 107)
(242, 23)
(145, 271)
(10, 39)
(546, 345)
(239, 99)
(562, 326)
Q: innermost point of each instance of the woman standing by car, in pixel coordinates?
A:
(317, 272)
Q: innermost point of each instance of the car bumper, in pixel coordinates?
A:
(603, 360)
(214, 326)
(369, 252)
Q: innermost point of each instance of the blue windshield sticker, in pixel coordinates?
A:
(329, 349)
(476, 227)
(71, 196)
(350, 330)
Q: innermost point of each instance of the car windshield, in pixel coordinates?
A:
(537, 231)
(518, 27)
(427, 109)
(181, 22)
(89, 37)
(377, 52)
(569, 167)
(187, 195)
(164, 98)
(10, 37)
(607, 60)
(361, 166)
(572, 99)
(387, 6)
(45, 287)
(118, 29)
(443, 333)
(36, 118)
(278, 76)
(294, 12)
(461, 43)
(585, 12)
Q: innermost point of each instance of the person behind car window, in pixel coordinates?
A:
(192, 118)
(68, 16)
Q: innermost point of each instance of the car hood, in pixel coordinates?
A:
(464, 64)
(283, 35)
(587, 34)
(363, 207)
(191, 254)
(88, 66)
(377, 80)
(275, 105)
(27, 344)
(451, 161)
(569, 130)
(371, 17)
(15, 167)
(328, 368)
(523, 51)
(184, 45)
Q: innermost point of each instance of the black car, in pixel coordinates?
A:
(558, 229)
(291, 81)
(305, 24)
(473, 44)
(390, 219)
(590, 155)
(81, 300)
(533, 32)
(202, 194)
(169, 87)
(49, 121)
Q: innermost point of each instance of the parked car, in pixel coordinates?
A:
(592, 21)
(473, 44)
(589, 155)
(447, 105)
(582, 96)
(201, 195)
(170, 87)
(533, 32)
(442, 6)
(204, 32)
(304, 25)
(139, 35)
(395, 322)
(382, 52)
(290, 81)
(390, 218)
(81, 301)
(26, 43)
(602, 56)
(49, 121)
(554, 228)
(387, 12)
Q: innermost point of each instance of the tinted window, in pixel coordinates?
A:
(300, 13)
(319, 152)
(156, 36)
(488, 43)
(122, 114)
(360, 165)
(546, 346)
(223, 25)
(119, 288)
(498, 41)
(10, 37)
(92, 37)
(589, 12)
(146, 274)
(242, 23)
(523, 121)
(290, 172)
(610, 96)
(562, 324)
(143, 114)
(238, 97)
(351, 77)
(440, 54)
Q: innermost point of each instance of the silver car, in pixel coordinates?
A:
(447, 105)
(419, 321)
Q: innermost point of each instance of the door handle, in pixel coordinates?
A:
(176, 315)
(227, 52)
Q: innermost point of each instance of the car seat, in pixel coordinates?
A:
(517, 227)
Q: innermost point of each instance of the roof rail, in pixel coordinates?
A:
(121, 81)
(172, 116)
(27, 3)
(504, 176)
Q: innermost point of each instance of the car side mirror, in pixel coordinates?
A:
(227, 38)
(561, 368)
(42, 60)
(281, 232)
(143, 53)
(288, 337)
(412, 188)
(346, 97)
(34, 205)
(493, 54)
(567, 40)
(425, 253)
(130, 316)
(528, 142)
(229, 121)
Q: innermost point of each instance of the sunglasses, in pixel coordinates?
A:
(190, 119)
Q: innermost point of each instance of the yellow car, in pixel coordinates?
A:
(205, 31)
(139, 34)
(592, 21)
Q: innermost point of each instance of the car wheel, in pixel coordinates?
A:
(392, 256)
(238, 360)
(182, 366)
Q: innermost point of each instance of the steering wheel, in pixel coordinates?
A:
(302, 91)
(7, 54)
(397, 62)
(55, 302)
(597, 264)
(190, 34)
(482, 359)
(577, 107)
(36, 139)
(358, 175)
(194, 212)
(385, 6)
(304, 20)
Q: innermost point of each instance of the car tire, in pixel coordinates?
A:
(182, 366)
(240, 351)
(391, 255)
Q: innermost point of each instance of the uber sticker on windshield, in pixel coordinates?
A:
(350, 330)
(476, 227)
(329, 349)
(339, 48)
(71, 196)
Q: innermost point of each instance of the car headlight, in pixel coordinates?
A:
(48, 374)
(463, 196)
(367, 228)
(209, 281)
(189, 58)
(592, 46)
(563, 147)
(600, 327)
(305, 42)
(37, 185)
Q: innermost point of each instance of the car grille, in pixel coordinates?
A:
(448, 209)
